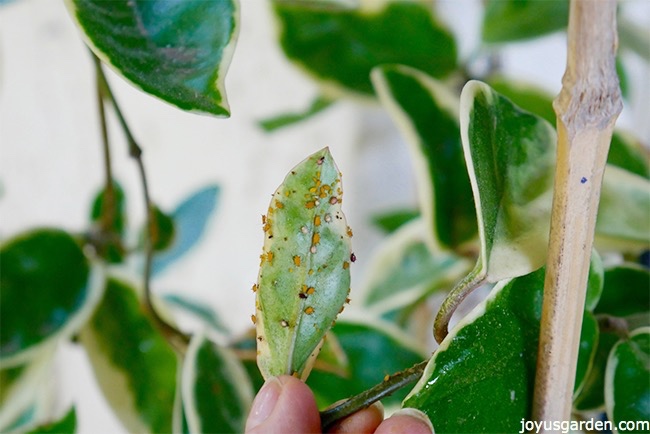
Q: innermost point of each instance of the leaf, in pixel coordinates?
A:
(198, 309)
(164, 230)
(190, 221)
(590, 396)
(595, 281)
(275, 123)
(362, 38)
(304, 277)
(374, 349)
(514, 20)
(110, 222)
(216, 391)
(510, 159)
(586, 351)
(49, 268)
(66, 424)
(427, 114)
(627, 153)
(492, 352)
(404, 271)
(176, 51)
(20, 385)
(390, 221)
(133, 364)
(625, 291)
(623, 211)
(627, 378)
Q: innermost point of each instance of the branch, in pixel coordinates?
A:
(365, 399)
(587, 108)
(173, 335)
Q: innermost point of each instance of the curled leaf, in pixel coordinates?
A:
(304, 277)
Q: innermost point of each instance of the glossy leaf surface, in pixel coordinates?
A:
(427, 114)
(48, 268)
(513, 20)
(591, 395)
(361, 38)
(510, 159)
(366, 343)
(109, 217)
(390, 221)
(216, 391)
(627, 379)
(304, 277)
(176, 51)
(492, 352)
(625, 291)
(190, 220)
(133, 364)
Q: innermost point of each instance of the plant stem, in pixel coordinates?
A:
(108, 206)
(365, 399)
(173, 335)
(587, 108)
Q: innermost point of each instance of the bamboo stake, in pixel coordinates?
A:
(586, 108)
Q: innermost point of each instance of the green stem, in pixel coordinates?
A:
(365, 399)
(174, 336)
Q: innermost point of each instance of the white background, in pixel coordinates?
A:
(51, 160)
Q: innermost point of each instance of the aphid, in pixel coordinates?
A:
(309, 310)
(349, 232)
(279, 204)
(304, 230)
(317, 220)
(296, 260)
(346, 265)
(310, 290)
(315, 239)
(387, 377)
(254, 319)
(284, 323)
(310, 204)
(312, 250)
(302, 295)
(328, 218)
(254, 288)
(353, 257)
(333, 200)
(320, 161)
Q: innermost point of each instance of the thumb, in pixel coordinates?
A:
(284, 405)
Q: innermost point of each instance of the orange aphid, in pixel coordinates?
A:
(309, 310)
(346, 265)
(254, 319)
(279, 204)
(317, 220)
(315, 239)
(310, 290)
(296, 260)
(310, 204)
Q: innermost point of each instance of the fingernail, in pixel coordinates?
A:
(417, 414)
(264, 402)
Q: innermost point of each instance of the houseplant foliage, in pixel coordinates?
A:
(483, 159)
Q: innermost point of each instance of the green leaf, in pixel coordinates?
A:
(634, 37)
(216, 391)
(134, 366)
(198, 309)
(586, 351)
(513, 20)
(20, 385)
(109, 218)
(163, 230)
(404, 271)
(510, 159)
(623, 211)
(374, 349)
(176, 51)
(390, 221)
(625, 291)
(595, 281)
(627, 394)
(359, 39)
(591, 396)
(66, 424)
(190, 219)
(47, 291)
(275, 123)
(491, 352)
(427, 114)
(304, 277)
(627, 153)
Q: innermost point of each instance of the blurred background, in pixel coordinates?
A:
(51, 155)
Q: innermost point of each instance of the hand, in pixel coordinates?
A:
(286, 405)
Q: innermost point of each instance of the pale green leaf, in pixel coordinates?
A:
(513, 20)
(67, 424)
(510, 159)
(176, 51)
(304, 277)
(47, 291)
(375, 33)
(216, 391)
(627, 379)
(133, 364)
(284, 120)
(427, 114)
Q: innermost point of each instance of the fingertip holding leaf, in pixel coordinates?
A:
(176, 51)
(304, 277)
